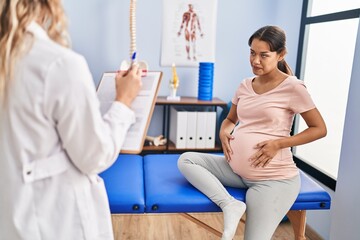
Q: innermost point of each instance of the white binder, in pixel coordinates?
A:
(178, 127)
(191, 129)
(201, 130)
(210, 129)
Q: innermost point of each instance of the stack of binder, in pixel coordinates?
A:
(191, 128)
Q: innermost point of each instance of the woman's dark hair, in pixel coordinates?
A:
(276, 39)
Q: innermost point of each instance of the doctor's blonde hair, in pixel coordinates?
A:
(15, 16)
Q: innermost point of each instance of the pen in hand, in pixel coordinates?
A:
(129, 66)
(128, 82)
(133, 59)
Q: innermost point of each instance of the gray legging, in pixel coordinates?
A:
(267, 202)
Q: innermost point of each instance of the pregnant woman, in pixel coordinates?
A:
(256, 140)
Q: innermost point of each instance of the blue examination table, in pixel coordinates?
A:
(153, 184)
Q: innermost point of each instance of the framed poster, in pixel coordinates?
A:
(189, 32)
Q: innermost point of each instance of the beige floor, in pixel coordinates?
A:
(177, 227)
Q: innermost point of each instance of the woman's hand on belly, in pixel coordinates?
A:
(225, 138)
(266, 151)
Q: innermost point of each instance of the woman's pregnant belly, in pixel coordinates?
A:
(281, 166)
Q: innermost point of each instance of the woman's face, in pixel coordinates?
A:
(262, 60)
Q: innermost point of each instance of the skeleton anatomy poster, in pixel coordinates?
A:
(189, 32)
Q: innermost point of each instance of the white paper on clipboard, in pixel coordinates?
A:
(143, 106)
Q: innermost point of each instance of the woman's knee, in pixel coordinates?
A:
(185, 158)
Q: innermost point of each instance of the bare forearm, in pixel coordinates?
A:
(316, 130)
(308, 135)
(227, 126)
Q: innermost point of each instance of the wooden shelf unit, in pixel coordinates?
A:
(184, 101)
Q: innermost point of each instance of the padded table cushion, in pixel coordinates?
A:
(124, 182)
(167, 191)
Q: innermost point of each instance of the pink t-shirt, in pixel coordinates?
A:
(263, 117)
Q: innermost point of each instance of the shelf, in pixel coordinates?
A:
(184, 101)
(161, 100)
(173, 148)
(154, 148)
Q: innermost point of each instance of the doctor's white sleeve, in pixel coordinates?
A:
(92, 141)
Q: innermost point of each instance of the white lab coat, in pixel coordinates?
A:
(53, 143)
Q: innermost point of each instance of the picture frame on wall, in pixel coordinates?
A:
(189, 32)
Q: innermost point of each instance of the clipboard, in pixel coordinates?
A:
(143, 106)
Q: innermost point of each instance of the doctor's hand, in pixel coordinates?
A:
(266, 152)
(128, 85)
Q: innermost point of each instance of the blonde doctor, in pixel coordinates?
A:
(53, 139)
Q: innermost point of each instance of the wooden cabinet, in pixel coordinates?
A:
(184, 102)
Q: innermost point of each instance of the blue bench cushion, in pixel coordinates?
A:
(311, 196)
(167, 191)
(124, 182)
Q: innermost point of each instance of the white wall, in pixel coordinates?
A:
(345, 220)
(320, 220)
(99, 30)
